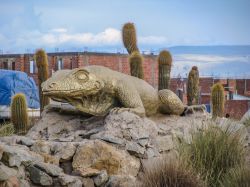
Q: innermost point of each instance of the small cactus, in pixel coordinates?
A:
(42, 65)
(164, 66)
(135, 61)
(193, 86)
(217, 98)
(129, 37)
(19, 114)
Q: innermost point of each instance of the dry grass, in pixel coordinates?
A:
(236, 177)
(213, 151)
(165, 173)
(6, 129)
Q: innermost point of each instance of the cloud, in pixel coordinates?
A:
(63, 38)
(223, 65)
(210, 58)
(60, 30)
(152, 40)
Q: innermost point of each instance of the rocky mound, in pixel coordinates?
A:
(71, 150)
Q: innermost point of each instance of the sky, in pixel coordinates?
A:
(76, 25)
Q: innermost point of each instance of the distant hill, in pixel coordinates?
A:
(215, 50)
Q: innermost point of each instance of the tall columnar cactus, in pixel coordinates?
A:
(164, 66)
(129, 37)
(217, 98)
(193, 86)
(19, 114)
(135, 61)
(42, 65)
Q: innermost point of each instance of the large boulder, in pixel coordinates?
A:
(97, 155)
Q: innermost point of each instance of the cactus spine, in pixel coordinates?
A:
(19, 114)
(129, 37)
(42, 65)
(164, 66)
(135, 61)
(193, 86)
(217, 98)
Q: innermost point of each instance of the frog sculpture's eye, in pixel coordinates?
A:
(81, 76)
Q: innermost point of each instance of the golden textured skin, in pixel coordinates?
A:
(98, 90)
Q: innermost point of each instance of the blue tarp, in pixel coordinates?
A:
(13, 82)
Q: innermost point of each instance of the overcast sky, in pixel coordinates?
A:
(96, 24)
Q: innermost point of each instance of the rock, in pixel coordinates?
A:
(59, 126)
(87, 172)
(69, 181)
(67, 167)
(26, 141)
(129, 126)
(37, 176)
(21, 174)
(6, 172)
(164, 143)
(151, 152)
(87, 182)
(143, 142)
(41, 147)
(64, 151)
(101, 156)
(11, 182)
(50, 159)
(101, 179)
(108, 138)
(121, 181)
(246, 118)
(50, 169)
(135, 149)
(24, 183)
(15, 155)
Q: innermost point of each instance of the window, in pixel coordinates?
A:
(32, 66)
(59, 64)
(13, 66)
(5, 65)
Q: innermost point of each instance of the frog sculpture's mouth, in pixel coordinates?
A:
(98, 104)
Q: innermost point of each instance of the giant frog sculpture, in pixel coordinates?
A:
(97, 90)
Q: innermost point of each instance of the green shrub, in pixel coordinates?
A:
(19, 114)
(236, 177)
(213, 151)
(42, 65)
(164, 66)
(6, 129)
(168, 173)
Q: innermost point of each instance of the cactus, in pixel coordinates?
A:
(164, 65)
(193, 86)
(19, 114)
(129, 37)
(42, 65)
(135, 61)
(217, 98)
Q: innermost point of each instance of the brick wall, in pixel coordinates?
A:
(243, 86)
(236, 108)
(118, 62)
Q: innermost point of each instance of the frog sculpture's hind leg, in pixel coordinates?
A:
(170, 102)
(129, 98)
